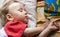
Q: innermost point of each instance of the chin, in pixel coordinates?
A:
(26, 21)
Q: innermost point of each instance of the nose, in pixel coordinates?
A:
(26, 12)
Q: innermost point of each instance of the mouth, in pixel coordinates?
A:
(26, 17)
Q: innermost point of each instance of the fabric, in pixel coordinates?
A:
(2, 33)
(53, 8)
(40, 16)
(0, 23)
(30, 6)
(1, 3)
(14, 28)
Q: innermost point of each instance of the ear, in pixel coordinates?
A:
(9, 17)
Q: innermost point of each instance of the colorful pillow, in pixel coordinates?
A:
(53, 8)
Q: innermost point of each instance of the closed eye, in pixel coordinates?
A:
(20, 10)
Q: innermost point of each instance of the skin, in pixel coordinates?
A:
(51, 27)
(17, 12)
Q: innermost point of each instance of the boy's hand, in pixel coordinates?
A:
(52, 26)
(57, 25)
(45, 24)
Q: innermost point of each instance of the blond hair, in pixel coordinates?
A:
(5, 10)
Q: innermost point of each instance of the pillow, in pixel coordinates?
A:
(30, 6)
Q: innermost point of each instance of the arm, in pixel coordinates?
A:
(50, 28)
(33, 31)
(45, 33)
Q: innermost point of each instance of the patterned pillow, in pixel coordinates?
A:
(53, 8)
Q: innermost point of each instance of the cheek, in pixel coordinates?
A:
(19, 17)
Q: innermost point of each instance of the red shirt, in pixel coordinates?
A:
(14, 28)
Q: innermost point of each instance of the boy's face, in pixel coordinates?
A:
(18, 12)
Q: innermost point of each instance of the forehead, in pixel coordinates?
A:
(15, 5)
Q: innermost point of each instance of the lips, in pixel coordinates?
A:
(26, 17)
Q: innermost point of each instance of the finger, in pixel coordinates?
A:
(46, 23)
(51, 23)
(56, 24)
(54, 27)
